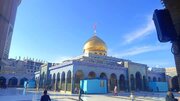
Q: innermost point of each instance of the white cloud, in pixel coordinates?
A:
(139, 50)
(141, 32)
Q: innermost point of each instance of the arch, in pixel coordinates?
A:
(113, 81)
(132, 82)
(138, 81)
(154, 79)
(43, 76)
(149, 79)
(92, 75)
(159, 79)
(54, 81)
(145, 82)
(58, 82)
(22, 81)
(63, 81)
(68, 79)
(2, 81)
(50, 80)
(103, 75)
(42, 79)
(175, 84)
(122, 82)
(79, 75)
(13, 82)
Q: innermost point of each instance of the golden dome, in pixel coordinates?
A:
(96, 46)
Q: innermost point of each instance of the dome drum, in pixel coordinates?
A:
(95, 52)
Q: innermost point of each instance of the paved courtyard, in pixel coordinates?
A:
(19, 94)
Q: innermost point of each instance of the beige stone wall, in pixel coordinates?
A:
(136, 67)
(133, 68)
(171, 71)
(14, 67)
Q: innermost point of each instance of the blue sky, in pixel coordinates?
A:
(58, 29)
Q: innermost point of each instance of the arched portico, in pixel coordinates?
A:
(175, 84)
(2, 81)
(63, 86)
(79, 75)
(58, 82)
(22, 81)
(122, 82)
(103, 75)
(138, 81)
(132, 82)
(50, 79)
(113, 81)
(149, 79)
(154, 79)
(54, 82)
(92, 74)
(42, 80)
(13, 82)
(159, 79)
(144, 83)
(69, 79)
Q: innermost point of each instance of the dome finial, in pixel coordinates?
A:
(94, 27)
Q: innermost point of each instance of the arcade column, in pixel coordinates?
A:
(18, 83)
(174, 9)
(72, 84)
(109, 85)
(7, 80)
(129, 84)
(65, 85)
(135, 84)
(118, 85)
(55, 84)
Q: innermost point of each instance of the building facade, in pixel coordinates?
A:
(95, 63)
(16, 71)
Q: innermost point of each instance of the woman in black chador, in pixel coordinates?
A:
(45, 97)
(170, 96)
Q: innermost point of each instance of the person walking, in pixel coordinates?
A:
(45, 97)
(132, 96)
(115, 91)
(170, 96)
(80, 94)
